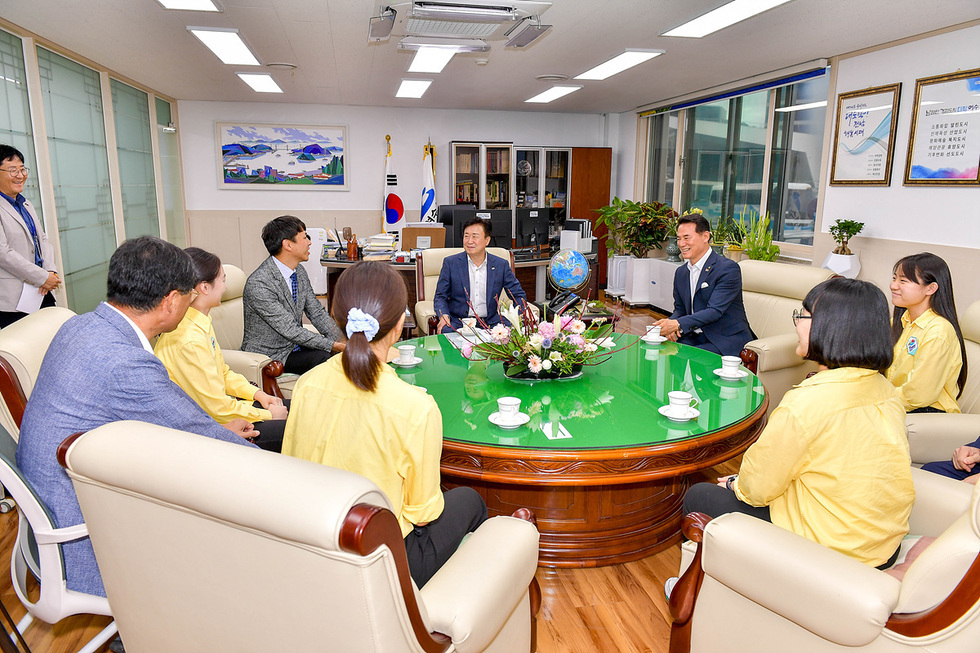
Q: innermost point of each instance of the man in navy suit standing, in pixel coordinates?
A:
(708, 310)
(476, 275)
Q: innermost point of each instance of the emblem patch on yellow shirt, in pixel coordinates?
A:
(912, 345)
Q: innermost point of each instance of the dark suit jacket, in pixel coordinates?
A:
(718, 310)
(453, 288)
(96, 372)
(274, 322)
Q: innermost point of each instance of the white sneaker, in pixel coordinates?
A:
(669, 586)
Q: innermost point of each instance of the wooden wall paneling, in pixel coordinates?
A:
(590, 188)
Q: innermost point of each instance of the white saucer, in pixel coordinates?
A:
(653, 340)
(739, 374)
(398, 363)
(522, 419)
(693, 413)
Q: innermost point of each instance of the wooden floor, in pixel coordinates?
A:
(616, 609)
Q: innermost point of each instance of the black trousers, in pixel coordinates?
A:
(270, 432)
(430, 546)
(9, 317)
(303, 360)
(714, 501)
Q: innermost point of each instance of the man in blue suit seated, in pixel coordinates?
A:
(100, 368)
(476, 275)
(708, 310)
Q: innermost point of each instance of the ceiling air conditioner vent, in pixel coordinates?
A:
(426, 27)
(476, 12)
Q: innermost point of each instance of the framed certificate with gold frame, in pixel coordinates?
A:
(864, 136)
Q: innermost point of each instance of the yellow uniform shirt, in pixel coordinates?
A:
(194, 362)
(392, 436)
(833, 464)
(927, 363)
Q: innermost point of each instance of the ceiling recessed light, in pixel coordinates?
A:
(413, 88)
(260, 82)
(190, 5)
(553, 93)
(620, 63)
(431, 59)
(722, 17)
(226, 44)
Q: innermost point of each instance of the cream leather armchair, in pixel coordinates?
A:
(934, 436)
(206, 546)
(771, 292)
(427, 268)
(228, 320)
(752, 586)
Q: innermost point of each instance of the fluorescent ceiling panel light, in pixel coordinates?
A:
(525, 33)
(456, 45)
(260, 82)
(431, 59)
(620, 63)
(379, 27)
(722, 17)
(454, 11)
(226, 44)
(190, 5)
(801, 107)
(413, 88)
(553, 93)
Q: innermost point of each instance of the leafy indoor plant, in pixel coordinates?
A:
(757, 238)
(842, 231)
(635, 227)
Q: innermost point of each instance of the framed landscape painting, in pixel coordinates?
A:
(254, 155)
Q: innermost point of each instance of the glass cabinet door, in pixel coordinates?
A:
(528, 178)
(466, 173)
(556, 184)
(498, 177)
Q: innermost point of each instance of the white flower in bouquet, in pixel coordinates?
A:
(534, 364)
(556, 356)
(577, 327)
(500, 334)
(546, 364)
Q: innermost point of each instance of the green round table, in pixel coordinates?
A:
(602, 470)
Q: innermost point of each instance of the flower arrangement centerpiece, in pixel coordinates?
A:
(530, 349)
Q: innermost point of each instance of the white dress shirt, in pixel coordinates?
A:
(286, 272)
(694, 271)
(478, 286)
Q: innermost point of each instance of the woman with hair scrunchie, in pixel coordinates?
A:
(354, 413)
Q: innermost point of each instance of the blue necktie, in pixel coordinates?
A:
(292, 284)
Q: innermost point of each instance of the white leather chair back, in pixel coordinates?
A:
(228, 319)
(772, 291)
(969, 401)
(23, 345)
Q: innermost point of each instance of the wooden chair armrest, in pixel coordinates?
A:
(750, 360)
(685, 593)
(270, 373)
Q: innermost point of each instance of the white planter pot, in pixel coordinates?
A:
(616, 275)
(650, 281)
(845, 265)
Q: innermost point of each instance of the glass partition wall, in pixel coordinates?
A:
(749, 154)
(86, 206)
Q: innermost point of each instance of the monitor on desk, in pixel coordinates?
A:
(532, 227)
(499, 220)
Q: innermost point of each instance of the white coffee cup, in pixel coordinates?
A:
(729, 365)
(508, 407)
(469, 324)
(406, 354)
(653, 331)
(681, 402)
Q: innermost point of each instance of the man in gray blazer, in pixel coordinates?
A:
(276, 297)
(26, 256)
(99, 369)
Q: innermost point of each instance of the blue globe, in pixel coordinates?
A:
(569, 270)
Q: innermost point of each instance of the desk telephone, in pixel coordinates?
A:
(563, 300)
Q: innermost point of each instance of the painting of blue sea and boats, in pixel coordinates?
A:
(282, 156)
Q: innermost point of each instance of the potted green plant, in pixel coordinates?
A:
(757, 238)
(842, 260)
(633, 228)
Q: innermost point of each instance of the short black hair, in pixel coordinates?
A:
(285, 227)
(850, 325)
(487, 231)
(10, 152)
(700, 222)
(144, 270)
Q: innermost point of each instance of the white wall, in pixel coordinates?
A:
(916, 214)
(410, 129)
(624, 155)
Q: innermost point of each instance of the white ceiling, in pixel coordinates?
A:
(327, 40)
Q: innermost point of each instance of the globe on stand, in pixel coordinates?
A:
(569, 273)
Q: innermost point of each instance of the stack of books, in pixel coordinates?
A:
(379, 247)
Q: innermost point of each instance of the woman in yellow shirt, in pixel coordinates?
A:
(193, 359)
(832, 464)
(354, 412)
(929, 369)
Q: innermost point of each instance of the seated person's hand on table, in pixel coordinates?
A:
(668, 328)
(242, 427)
(965, 457)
